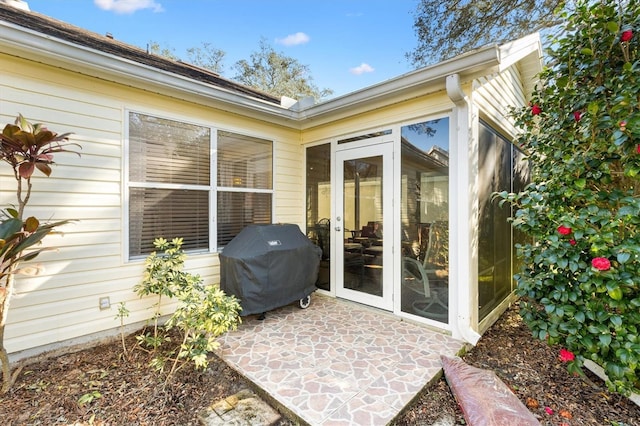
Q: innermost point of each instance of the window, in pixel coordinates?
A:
(501, 167)
(171, 186)
(425, 219)
(244, 183)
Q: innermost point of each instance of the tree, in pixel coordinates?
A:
(25, 147)
(207, 56)
(277, 74)
(164, 51)
(580, 283)
(448, 28)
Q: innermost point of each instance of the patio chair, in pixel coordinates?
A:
(430, 302)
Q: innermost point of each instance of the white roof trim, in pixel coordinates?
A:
(33, 45)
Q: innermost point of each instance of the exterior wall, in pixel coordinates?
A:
(62, 302)
(494, 95)
(382, 118)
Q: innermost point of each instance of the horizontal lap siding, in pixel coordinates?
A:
(414, 110)
(61, 303)
(495, 95)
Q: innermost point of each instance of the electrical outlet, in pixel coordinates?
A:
(104, 303)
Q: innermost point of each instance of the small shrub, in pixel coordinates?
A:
(203, 313)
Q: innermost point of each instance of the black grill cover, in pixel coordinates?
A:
(269, 266)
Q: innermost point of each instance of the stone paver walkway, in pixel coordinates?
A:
(336, 362)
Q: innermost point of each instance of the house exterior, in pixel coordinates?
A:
(393, 181)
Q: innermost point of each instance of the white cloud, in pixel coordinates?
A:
(294, 39)
(361, 69)
(128, 6)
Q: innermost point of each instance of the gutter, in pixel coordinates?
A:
(465, 317)
(32, 45)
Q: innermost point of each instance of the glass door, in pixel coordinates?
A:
(363, 225)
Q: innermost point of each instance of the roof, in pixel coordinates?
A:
(37, 37)
(52, 27)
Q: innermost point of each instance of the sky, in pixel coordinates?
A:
(347, 44)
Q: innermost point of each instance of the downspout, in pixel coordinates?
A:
(465, 291)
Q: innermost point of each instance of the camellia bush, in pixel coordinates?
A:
(580, 281)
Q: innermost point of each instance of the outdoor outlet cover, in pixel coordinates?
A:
(105, 303)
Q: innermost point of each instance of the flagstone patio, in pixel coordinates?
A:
(337, 362)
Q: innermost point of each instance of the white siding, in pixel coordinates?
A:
(62, 302)
(494, 96)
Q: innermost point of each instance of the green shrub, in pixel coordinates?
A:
(203, 313)
(580, 283)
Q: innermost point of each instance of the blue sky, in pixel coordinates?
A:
(347, 44)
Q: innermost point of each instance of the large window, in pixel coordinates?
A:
(425, 219)
(501, 168)
(171, 187)
(318, 206)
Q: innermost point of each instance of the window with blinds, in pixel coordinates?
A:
(171, 185)
(245, 183)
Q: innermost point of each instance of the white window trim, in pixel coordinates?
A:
(211, 188)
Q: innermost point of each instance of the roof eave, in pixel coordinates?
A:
(410, 85)
(31, 45)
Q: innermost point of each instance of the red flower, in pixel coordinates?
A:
(623, 125)
(572, 242)
(536, 110)
(563, 230)
(601, 263)
(577, 115)
(626, 36)
(638, 148)
(566, 355)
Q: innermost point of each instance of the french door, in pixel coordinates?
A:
(363, 225)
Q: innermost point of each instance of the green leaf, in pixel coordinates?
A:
(612, 26)
(605, 339)
(615, 293)
(623, 257)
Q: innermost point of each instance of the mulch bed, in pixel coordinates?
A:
(99, 386)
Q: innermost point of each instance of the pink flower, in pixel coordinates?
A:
(566, 355)
(601, 263)
(572, 242)
(564, 230)
(536, 110)
(623, 125)
(548, 410)
(626, 36)
(577, 115)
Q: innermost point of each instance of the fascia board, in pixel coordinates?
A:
(32, 45)
(416, 83)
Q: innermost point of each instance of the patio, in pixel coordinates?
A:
(336, 362)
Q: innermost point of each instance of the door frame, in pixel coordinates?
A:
(376, 146)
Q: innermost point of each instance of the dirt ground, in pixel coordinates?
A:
(99, 386)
